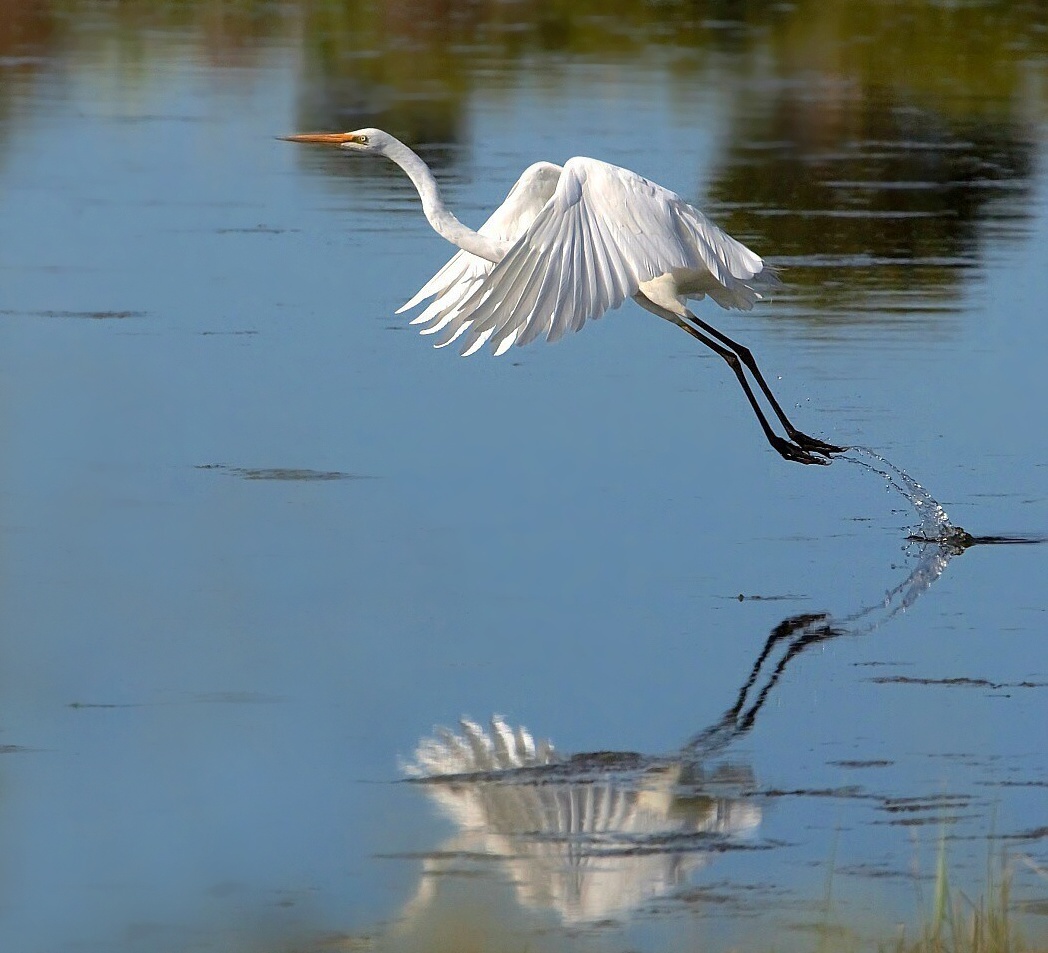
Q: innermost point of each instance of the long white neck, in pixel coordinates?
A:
(443, 222)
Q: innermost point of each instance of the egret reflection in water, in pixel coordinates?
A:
(570, 243)
(593, 836)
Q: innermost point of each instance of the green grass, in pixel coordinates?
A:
(958, 924)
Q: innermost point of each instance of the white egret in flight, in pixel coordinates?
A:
(571, 242)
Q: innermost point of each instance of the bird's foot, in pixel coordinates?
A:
(791, 451)
(815, 445)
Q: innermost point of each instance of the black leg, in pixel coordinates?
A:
(788, 451)
(746, 356)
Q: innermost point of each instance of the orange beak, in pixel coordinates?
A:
(324, 138)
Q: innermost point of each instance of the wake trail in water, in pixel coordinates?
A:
(935, 525)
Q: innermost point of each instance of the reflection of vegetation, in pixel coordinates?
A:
(222, 31)
(975, 58)
(129, 40)
(880, 195)
(965, 58)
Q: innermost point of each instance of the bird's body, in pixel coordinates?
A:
(572, 242)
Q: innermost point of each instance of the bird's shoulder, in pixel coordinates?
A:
(523, 202)
(536, 184)
(595, 180)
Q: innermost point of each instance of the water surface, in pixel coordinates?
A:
(258, 538)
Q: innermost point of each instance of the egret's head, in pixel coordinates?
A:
(362, 140)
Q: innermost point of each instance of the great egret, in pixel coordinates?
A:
(571, 242)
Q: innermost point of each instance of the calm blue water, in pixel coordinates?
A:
(213, 658)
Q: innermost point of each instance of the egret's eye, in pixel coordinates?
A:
(363, 140)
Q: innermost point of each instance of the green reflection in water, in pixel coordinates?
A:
(883, 196)
(968, 59)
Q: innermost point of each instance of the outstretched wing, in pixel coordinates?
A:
(603, 233)
(457, 280)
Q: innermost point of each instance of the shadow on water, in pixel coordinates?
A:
(286, 474)
(595, 836)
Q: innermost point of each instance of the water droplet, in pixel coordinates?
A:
(934, 523)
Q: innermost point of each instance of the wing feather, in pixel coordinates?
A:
(443, 309)
(513, 291)
(461, 267)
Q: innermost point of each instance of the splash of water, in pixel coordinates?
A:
(938, 541)
(935, 525)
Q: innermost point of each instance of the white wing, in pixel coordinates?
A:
(603, 233)
(454, 283)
